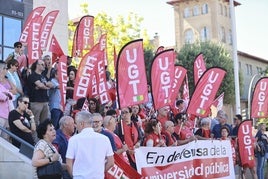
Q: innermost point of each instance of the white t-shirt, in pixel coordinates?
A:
(89, 150)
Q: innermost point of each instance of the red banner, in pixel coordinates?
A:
(199, 67)
(84, 75)
(55, 48)
(85, 35)
(201, 159)
(246, 144)
(121, 170)
(46, 28)
(34, 51)
(25, 32)
(162, 78)
(179, 75)
(131, 75)
(218, 103)
(259, 104)
(63, 78)
(159, 49)
(205, 91)
(103, 46)
(100, 74)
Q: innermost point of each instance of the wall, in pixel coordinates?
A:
(13, 164)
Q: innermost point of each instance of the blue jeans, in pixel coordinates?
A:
(56, 114)
(260, 166)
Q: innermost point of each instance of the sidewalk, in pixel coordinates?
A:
(248, 174)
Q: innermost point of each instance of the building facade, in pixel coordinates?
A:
(13, 14)
(210, 20)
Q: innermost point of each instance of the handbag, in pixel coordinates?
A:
(51, 170)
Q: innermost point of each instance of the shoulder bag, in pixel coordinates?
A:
(51, 170)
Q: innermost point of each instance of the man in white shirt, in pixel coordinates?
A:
(89, 154)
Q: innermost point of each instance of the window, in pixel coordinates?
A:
(205, 9)
(259, 70)
(222, 34)
(230, 37)
(186, 12)
(11, 33)
(204, 34)
(221, 9)
(196, 11)
(249, 69)
(189, 36)
(1, 32)
(225, 11)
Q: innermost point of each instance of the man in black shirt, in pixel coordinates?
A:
(38, 92)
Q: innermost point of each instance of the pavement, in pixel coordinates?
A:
(248, 174)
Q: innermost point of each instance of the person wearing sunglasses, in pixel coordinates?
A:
(16, 53)
(38, 92)
(129, 133)
(21, 121)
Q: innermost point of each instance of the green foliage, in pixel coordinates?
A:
(265, 72)
(119, 32)
(148, 59)
(214, 56)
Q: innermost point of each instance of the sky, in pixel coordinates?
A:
(251, 20)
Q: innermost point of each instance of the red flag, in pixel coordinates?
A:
(246, 144)
(162, 78)
(84, 74)
(85, 106)
(103, 47)
(218, 103)
(199, 67)
(179, 75)
(55, 48)
(131, 75)
(205, 91)
(34, 51)
(121, 170)
(25, 32)
(100, 74)
(259, 104)
(85, 34)
(159, 49)
(46, 28)
(63, 78)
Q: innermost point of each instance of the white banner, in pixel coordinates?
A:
(195, 160)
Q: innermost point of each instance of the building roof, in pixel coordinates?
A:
(173, 2)
(252, 57)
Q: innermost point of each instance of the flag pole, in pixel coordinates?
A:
(235, 59)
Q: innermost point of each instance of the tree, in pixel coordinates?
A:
(119, 32)
(215, 56)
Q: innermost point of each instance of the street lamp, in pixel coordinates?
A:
(235, 59)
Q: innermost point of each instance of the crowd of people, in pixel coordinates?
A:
(84, 140)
